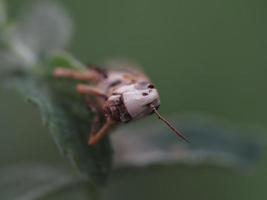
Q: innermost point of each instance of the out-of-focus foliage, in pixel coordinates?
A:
(2, 13)
(34, 181)
(61, 108)
(42, 29)
(28, 54)
(210, 143)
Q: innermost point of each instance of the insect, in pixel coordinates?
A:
(120, 95)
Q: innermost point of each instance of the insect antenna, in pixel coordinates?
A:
(169, 124)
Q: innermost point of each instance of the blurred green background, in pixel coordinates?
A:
(204, 56)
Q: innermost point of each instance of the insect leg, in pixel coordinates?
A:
(94, 107)
(88, 75)
(95, 125)
(96, 137)
(89, 90)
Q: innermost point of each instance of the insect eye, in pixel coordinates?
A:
(144, 94)
(142, 85)
(151, 86)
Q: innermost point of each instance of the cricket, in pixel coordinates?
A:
(120, 95)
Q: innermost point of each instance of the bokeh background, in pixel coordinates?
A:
(204, 56)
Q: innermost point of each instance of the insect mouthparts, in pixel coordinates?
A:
(168, 124)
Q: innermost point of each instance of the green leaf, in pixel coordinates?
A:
(68, 119)
(35, 181)
(63, 59)
(28, 64)
(210, 142)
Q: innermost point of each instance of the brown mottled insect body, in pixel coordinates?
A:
(115, 108)
(119, 95)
